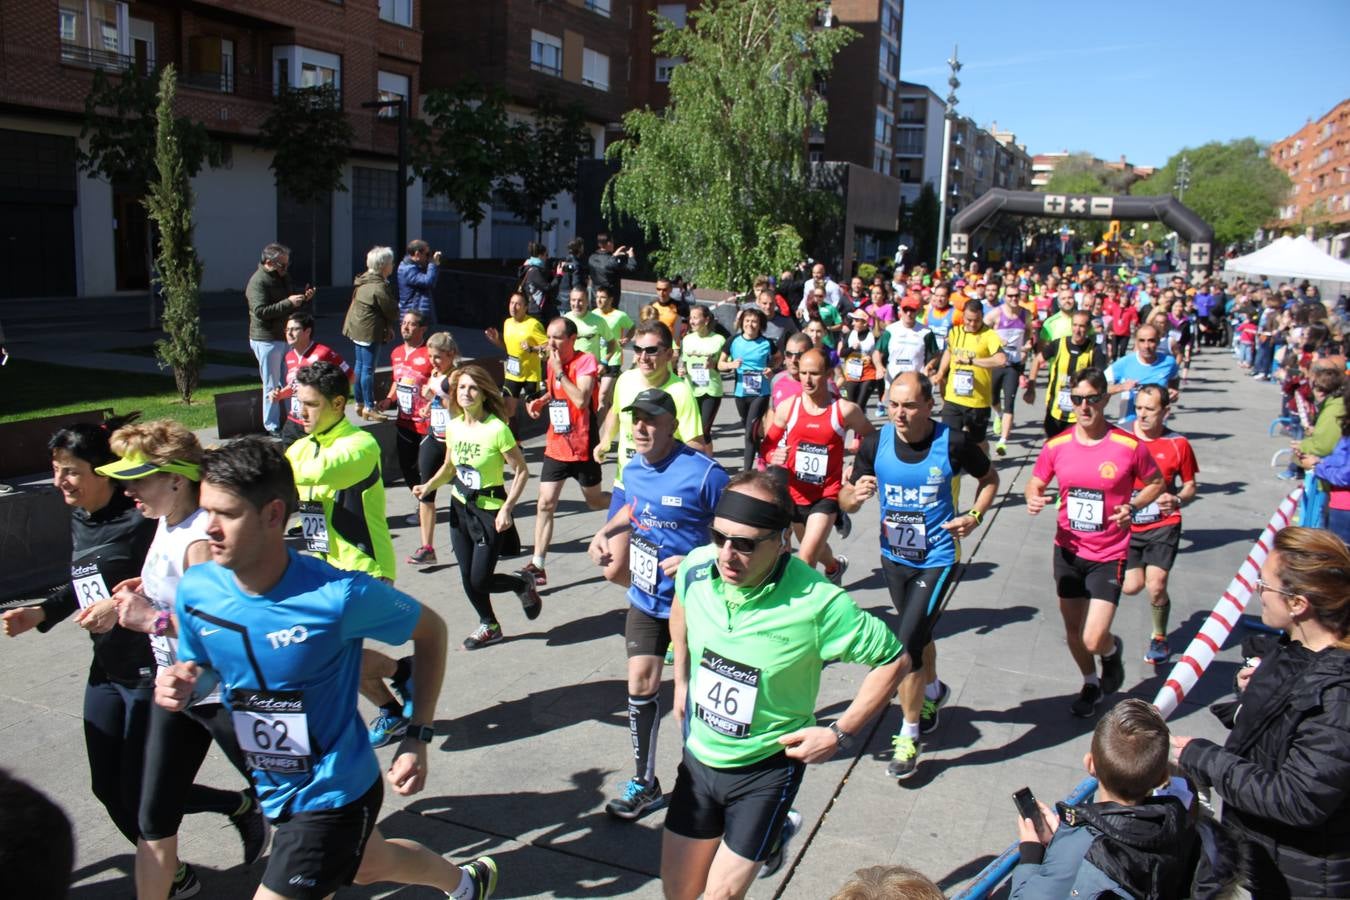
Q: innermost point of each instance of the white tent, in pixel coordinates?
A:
(1291, 258)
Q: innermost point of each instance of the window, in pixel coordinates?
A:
(675, 12)
(595, 69)
(545, 53)
(397, 11)
(294, 66)
(598, 6)
(142, 45)
(391, 86)
(95, 32)
(883, 127)
(888, 61)
(664, 66)
(210, 64)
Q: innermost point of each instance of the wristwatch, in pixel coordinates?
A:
(161, 624)
(424, 733)
(976, 515)
(841, 737)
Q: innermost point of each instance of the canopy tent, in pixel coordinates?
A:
(1291, 258)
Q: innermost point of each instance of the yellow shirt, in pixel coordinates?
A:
(967, 384)
(520, 339)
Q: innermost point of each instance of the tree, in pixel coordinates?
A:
(542, 157)
(1233, 186)
(459, 148)
(310, 139)
(169, 203)
(720, 179)
(922, 223)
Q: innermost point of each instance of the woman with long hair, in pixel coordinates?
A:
(753, 358)
(701, 353)
(478, 445)
(444, 353)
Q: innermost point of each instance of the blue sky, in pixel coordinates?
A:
(1143, 78)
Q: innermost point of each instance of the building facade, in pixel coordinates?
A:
(1317, 160)
(918, 140)
(1043, 167)
(73, 233)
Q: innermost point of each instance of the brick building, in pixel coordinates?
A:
(231, 56)
(1317, 160)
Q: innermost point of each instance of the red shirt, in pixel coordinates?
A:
(295, 362)
(1176, 461)
(1247, 333)
(571, 432)
(815, 453)
(412, 370)
(1123, 322)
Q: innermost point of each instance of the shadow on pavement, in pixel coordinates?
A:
(962, 874)
(544, 711)
(1049, 716)
(1194, 541)
(981, 621)
(1228, 488)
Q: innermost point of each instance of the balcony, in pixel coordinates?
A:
(94, 58)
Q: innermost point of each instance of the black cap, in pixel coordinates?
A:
(653, 402)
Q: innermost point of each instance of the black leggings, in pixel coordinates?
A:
(751, 410)
(707, 411)
(407, 443)
(1006, 381)
(430, 457)
(473, 536)
(115, 722)
(174, 751)
(860, 392)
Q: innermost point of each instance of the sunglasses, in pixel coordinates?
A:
(1080, 399)
(739, 543)
(649, 350)
(793, 354)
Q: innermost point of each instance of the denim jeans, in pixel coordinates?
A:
(271, 356)
(1338, 523)
(365, 358)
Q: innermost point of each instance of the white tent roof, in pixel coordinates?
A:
(1291, 258)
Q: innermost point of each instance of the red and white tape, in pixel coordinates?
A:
(1203, 648)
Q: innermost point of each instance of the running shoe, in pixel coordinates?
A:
(637, 798)
(843, 524)
(483, 636)
(253, 829)
(423, 556)
(185, 883)
(840, 567)
(385, 729)
(791, 825)
(1001, 448)
(928, 718)
(482, 874)
(540, 578)
(1087, 701)
(1158, 651)
(1113, 670)
(530, 601)
(906, 759)
(404, 688)
(670, 655)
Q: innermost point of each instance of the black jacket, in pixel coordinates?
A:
(540, 290)
(1284, 772)
(573, 276)
(108, 546)
(607, 270)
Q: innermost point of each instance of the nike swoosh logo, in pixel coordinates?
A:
(206, 631)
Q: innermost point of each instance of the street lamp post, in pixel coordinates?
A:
(401, 195)
(1183, 178)
(948, 116)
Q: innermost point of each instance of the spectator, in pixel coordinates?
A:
(1327, 378)
(1284, 771)
(1335, 471)
(370, 322)
(608, 265)
(1130, 842)
(270, 302)
(37, 846)
(539, 289)
(417, 275)
(888, 883)
(572, 270)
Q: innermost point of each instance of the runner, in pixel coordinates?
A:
(910, 466)
(1097, 466)
(621, 331)
(570, 438)
(701, 352)
(1067, 356)
(806, 436)
(1011, 324)
(478, 444)
(280, 633)
(303, 351)
(752, 628)
(519, 338)
(753, 358)
(1060, 324)
(411, 371)
(672, 313)
(671, 491)
(593, 332)
(444, 354)
(1155, 530)
(1144, 366)
(973, 352)
(941, 316)
(1181, 334)
(903, 347)
(861, 378)
(160, 464)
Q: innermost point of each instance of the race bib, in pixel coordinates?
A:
(1065, 398)
(1146, 515)
(698, 374)
(724, 694)
(1012, 343)
(1086, 509)
(296, 408)
(406, 394)
(906, 534)
(643, 561)
(89, 585)
(314, 527)
(963, 382)
(752, 382)
(853, 368)
(440, 417)
(811, 462)
(161, 647)
(469, 478)
(559, 416)
(272, 730)
(513, 365)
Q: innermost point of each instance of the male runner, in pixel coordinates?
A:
(1067, 356)
(303, 351)
(672, 490)
(1144, 366)
(905, 346)
(1155, 530)
(1097, 466)
(1012, 324)
(519, 338)
(281, 633)
(569, 398)
(910, 466)
(752, 628)
(412, 369)
(941, 316)
(1060, 323)
(621, 331)
(593, 332)
(966, 373)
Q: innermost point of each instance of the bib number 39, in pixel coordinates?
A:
(272, 730)
(725, 692)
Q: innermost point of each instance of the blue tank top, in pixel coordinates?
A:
(916, 499)
(940, 324)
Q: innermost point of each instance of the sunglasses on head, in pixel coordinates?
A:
(739, 543)
(649, 350)
(1080, 399)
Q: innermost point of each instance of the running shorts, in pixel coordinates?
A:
(919, 595)
(745, 806)
(315, 853)
(803, 511)
(644, 634)
(1154, 547)
(1076, 577)
(974, 421)
(430, 458)
(585, 471)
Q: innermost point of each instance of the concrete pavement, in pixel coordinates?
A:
(532, 734)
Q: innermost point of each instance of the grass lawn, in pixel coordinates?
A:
(31, 390)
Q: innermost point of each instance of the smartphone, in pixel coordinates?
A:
(1025, 802)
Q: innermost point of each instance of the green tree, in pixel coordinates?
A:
(720, 179)
(458, 148)
(169, 203)
(922, 223)
(1233, 186)
(542, 157)
(310, 139)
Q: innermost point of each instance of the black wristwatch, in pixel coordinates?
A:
(841, 737)
(424, 733)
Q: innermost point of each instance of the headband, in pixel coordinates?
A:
(752, 511)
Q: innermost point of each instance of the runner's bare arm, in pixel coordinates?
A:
(1035, 494)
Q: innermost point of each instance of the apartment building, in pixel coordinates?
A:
(1317, 160)
(64, 232)
(918, 140)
